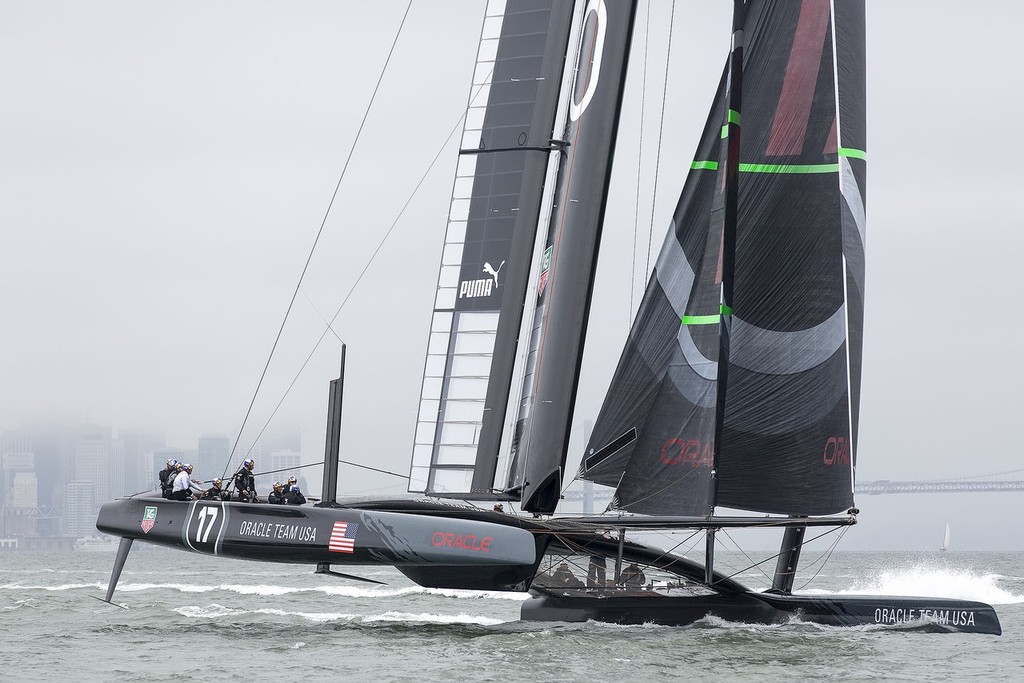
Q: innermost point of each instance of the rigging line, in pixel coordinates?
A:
(375, 469)
(672, 549)
(776, 555)
(323, 223)
(286, 469)
(827, 555)
(373, 256)
(322, 316)
(664, 488)
(742, 552)
(661, 129)
(639, 162)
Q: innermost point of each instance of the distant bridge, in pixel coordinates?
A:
(875, 488)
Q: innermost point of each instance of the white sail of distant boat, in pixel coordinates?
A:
(945, 539)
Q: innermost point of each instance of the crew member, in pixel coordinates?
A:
(245, 483)
(498, 507)
(276, 496)
(633, 576)
(166, 480)
(564, 577)
(171, 477)
(183, 486)
(294, 496)
(216, 492)
(292, 481)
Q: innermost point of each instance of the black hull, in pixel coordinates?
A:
(439, 545)
(650, 607)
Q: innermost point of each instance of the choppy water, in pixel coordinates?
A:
(192, 617)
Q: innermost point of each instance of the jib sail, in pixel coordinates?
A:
(788, 413)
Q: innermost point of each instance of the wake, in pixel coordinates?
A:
(930, 582)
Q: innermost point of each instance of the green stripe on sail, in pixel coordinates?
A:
(789, 168)
(701, 319)
(851, 152)
(733, 117)
(770, 168)
(725, 132)
(706, 319)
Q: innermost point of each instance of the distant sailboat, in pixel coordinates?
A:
(945, 539)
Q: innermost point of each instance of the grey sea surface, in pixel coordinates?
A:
(197, 618)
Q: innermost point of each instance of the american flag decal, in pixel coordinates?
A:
(343, 538)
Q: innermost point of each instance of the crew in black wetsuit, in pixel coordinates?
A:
(216, 492)
(633, 576)
(171, 476)
(165, 475)
(294, 496)
(245, 483)
(276, 497)
(563, 576)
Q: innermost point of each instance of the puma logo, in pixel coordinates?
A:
(489, 269)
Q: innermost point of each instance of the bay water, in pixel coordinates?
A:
(189, 617)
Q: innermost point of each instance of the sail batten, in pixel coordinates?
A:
(762, 387)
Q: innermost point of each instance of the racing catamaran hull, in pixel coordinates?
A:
(643, 607)
(501, 557)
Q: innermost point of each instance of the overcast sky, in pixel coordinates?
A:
(164, 169)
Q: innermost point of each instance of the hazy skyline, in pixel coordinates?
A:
(164, 169)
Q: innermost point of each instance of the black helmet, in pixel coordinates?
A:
(277, 485)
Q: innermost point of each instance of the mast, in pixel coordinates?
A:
(731, 133)
(541, 438)
(727, 262)
(332, 449)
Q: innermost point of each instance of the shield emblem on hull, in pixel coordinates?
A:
(149, 518)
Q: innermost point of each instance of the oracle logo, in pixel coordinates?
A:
(589, 66)
(691, 453)
(470, 542)
(837, 451)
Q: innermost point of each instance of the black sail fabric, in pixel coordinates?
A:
(540, 442)
(791, 397)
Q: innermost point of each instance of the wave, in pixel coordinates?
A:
(60, 587)
(216, 611)
(931, 582)
(795, 623)
(334, 591)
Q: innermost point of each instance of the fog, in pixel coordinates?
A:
(165, 168)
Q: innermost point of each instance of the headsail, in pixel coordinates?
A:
(792, 390)
(492, 228)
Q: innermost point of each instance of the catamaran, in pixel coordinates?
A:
(739, 384)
